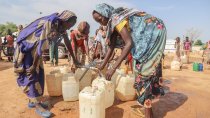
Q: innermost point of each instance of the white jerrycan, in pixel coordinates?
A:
(175, 65)
(118, 72)
(108, 87)
(64, 69)
(184, 59)
(124, 87)
(54, 83)
(70, 87)
(86, 79)
(91, 103)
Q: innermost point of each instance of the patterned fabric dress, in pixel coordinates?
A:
(149, 37)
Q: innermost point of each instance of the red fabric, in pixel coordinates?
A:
(130, 59)
(10, 40)
(79, 41)
(187, 45)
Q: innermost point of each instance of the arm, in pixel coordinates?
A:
(128, 45)
(86, 47)
(75, 44)
(96, 47)
(109, 52)
(68, 45)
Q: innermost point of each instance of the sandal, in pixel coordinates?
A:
(33, 105)
(45, 113)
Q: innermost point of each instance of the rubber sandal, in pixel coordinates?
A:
(33, 105)
(45, 114)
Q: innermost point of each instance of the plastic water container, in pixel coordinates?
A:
(118, 72)
(64, 69)
(70, 88)
(86, 80)
(195, 66)
(108, 87)
(184, 59)
(54, 83)
(124, 87)
(175, 65)
(92, 103)
(200, 66)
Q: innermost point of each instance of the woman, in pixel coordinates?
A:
(177, 46)
(9, 41)
(187, 48)
(79, 41)
(144, 36)
(31, 42)
(208, 52)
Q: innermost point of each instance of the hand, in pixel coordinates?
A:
(30, 70)
(77, 64)
(90, 59)
(100, 67)
(109, 74)
(126, 62)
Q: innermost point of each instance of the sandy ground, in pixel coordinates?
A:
(188, 96)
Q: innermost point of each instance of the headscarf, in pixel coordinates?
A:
(83, 26)
(104, 9)
(66, 15)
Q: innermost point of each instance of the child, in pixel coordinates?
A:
(79, 41)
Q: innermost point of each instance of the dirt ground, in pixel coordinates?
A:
(187, 96)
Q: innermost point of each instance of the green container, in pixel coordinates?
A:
(195, 66)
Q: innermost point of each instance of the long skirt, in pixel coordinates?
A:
(147, 88)
(32, 86)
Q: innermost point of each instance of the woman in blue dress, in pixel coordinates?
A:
(31, 42)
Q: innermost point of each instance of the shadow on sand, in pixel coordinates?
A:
(114, 112)
(169, 102)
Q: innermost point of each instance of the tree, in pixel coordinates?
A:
(193, 34)
(198, 43)
(4, 28)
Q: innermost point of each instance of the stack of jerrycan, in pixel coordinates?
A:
(124, 86)
(84, 76)
(107, 86)
(92, 103)
(54, 83)
(70, 87)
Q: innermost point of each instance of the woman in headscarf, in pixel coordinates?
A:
(142, 35)
(31, 42)
(177, 46)
(79, 42)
